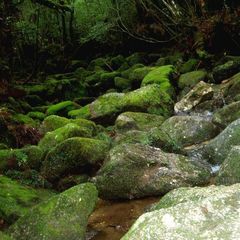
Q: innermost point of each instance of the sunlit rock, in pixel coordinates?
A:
(192, 213)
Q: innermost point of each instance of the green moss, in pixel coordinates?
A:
(138, 120)
(27, 157)
(54, 122)
(4, 236)
(122, 83)
(61, 108)
(190, 79)
(16, 200)
(36, 115)
(71, 154)
(49, 219)
(24, 119)
(51, 139)
(189, 66)
(161, 76)
(105, 109)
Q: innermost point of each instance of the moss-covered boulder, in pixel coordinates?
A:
(150, 99)
(192, 213)
(161, 76)
(189, 66)
(229, 113)
(178, 132)
(63, 216)
(36, 115)
(188, 80)
(231, 90)
(61, 108)
(54, 122)
(52, 139)
(16, 199)
(132, 136)
(226, 70)
(135, 170)
(71, 154)
(137, 120)
(29, 157)
(229, 172)
(199, 94)
(219, 147)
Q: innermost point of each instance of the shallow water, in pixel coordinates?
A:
(111, 220)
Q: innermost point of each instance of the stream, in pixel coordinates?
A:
(112, 219)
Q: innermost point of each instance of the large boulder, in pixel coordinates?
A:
(63, 216)
(71, 154)
(137, 120)
(229, 172)
(192, 213)
(16, 199)
(178, 132)
(218, 148)
(150, 99)
(135, 170)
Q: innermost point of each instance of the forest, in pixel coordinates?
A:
(119, 119)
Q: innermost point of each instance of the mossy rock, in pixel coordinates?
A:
(190, 79)
(129, 70)
(218, 148)
(63, 216)
(135, 58)
(54, 122)
(71, 154)
(162, 76)
(178, 132)
(117, 61)
(229, 172)
(135, 171)
(36, 115)
(16, 199)
(52, 139)
(189, 66)
(25, 158)
(61, 108)
(226, 70)
(150, 99)
(122, 83)
(24, 119)
(137, 120)
(226, 115)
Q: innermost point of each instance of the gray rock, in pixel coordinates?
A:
(218, 148)
(229, 172)
(178, 132)
(192, 213)
(135, 170)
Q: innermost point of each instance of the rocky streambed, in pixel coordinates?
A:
(84, 154)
